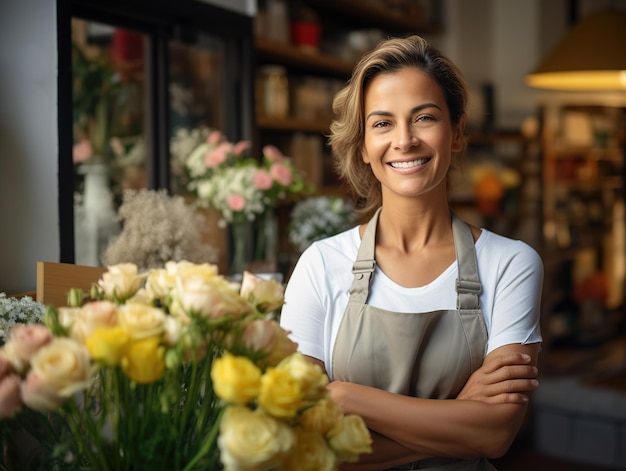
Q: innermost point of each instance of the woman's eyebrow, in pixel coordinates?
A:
(413, 110)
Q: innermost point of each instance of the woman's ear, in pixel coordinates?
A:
(458, 134)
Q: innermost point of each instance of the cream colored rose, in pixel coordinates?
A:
(141, 321)
(263, 335)
(322, 417)
(67, 316)
(313, 380)
(172, 330)
(185, 269)
(212, 299)
(93, 316)
(252, 440)
(23, 340)
(58, 370)
(310, 453)
(160, 283)
(235, 379)
(350, 438)
(281, 394)
(266, 295)
(120, 281)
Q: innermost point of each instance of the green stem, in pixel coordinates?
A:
(208, 444)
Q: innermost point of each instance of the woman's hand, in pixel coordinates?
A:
(506, 377)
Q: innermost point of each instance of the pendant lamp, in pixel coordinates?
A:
(591, 56)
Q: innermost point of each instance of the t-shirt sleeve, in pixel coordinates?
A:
(303, 313)
(517, 300)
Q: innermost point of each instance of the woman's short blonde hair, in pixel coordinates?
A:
(347, 131)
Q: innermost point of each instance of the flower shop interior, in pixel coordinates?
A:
(103, 100)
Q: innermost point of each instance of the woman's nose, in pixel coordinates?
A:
(405, 138)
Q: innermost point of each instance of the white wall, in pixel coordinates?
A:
(28, 141)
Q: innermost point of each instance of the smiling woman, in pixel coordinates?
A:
(416, 306)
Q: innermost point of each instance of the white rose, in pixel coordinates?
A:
(252, 440)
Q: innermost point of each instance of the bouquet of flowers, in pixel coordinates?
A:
(316, 218)
(18, 311)
(176, 369)
(225, 178)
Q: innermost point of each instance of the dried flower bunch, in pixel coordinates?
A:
(157, 228)
(319, 217)
(176, 369)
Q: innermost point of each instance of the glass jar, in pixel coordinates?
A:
(274, 91)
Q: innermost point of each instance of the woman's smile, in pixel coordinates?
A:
(407, 164)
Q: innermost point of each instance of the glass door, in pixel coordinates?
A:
(131, 79)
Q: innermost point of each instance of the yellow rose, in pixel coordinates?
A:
(252, 440)
(313, 380)
(107, 344)
(310, 453)
(281, 394)
(263, 335)
(91, 317)
(58, 370)
(143, 361)
(120, 281)
(322, 417)
(266, 295)
(350, 438)
(210, 298)
(235, 379)
(141, 321)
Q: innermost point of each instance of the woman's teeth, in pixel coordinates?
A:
(412, 163)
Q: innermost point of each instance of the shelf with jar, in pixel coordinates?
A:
(584, 148)
(305, 51)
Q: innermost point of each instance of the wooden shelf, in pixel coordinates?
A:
(373, 15)
(295, 57)
(292, 124)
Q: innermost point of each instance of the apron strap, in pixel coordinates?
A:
(468, 285)
(365, 264)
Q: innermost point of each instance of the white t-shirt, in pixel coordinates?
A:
(510, 271)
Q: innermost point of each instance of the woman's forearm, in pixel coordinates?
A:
(386, 453)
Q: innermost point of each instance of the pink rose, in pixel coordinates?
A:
(272, 154)
(266, 336)
(262, 180)
(281, 173)
(10, 399)
(241, 147)
(236, 202)
(81, 151)
(38, 396)
(214, 138)
(92, 316)
(217, 156)
(23, 341)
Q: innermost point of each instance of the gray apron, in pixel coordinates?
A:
(429, 354)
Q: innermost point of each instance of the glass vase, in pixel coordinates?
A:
(240, 235)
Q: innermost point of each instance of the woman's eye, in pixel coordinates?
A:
(424, 119)
(381, 124)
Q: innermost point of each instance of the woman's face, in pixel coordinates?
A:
(409, 138)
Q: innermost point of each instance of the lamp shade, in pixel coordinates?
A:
(591, 56)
